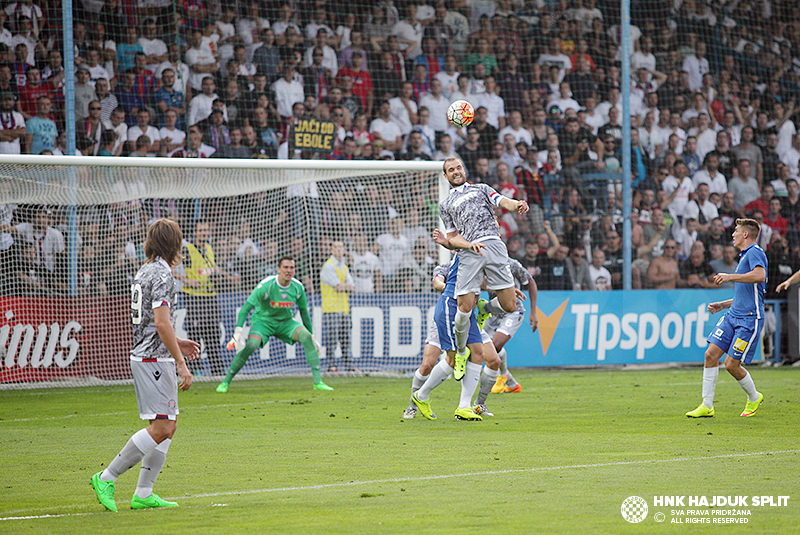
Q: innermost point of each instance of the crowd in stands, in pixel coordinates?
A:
(714, 115)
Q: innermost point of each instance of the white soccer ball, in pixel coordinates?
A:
(461, 113)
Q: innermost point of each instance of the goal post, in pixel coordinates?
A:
(68, 322)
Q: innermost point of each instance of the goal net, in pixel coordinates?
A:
(72, 236)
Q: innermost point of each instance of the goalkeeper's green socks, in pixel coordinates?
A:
(241, 358)
(312, 355)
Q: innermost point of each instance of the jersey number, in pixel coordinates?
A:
(136, 303)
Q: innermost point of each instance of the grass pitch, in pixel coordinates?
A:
(273, 456)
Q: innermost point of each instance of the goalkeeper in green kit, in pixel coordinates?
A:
(273, 300)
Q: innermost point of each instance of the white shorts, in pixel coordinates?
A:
(433, 336)
(507, 324)
(492, 262)
(156, 386)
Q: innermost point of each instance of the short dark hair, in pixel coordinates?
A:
(285, 257)
(751, 225)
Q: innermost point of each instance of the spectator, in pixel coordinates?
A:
(179, 68)
(226, 29)
(118, 125)
(107, 141)
(696, 65)
(336, 282)
(679, 187)
(49, 246)
(201, 61)
(253, 144)
(201, 105)
(394, 253)
(663, 272)
(409, 32)
(685, 237)
(235, 149)
(128, 100)
(747, 150)
(288, 90)
(791, 158)
(41, 131)
(695, 272)
(91, 128)
(127, 50)
(143, 127)
(366, 267)
(142, 148)
(774, 219)
(12, 127)
(727, 264)
(743, 186)
(286, 20)
(167, 98)
(266, 57)
(385, 131)
(555, 272)
(195, 148)
(614, 260)
(108, 102)
(250, 27)
(415, 151)
(31, 92)
(217, 134)
(96, 69)
(599, 275)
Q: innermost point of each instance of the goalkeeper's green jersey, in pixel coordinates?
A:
(274, 303)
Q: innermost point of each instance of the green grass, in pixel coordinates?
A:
(272, 456)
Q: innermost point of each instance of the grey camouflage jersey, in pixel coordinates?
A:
(153, 286)
(441, 270)
(521, 280)
(469, 209)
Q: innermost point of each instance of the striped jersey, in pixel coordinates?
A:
(748, 298)
(469, 210)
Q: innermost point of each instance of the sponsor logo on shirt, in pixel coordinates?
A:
(281, 304)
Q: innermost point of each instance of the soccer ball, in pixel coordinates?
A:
(461, 113)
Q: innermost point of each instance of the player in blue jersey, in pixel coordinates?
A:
(737, 332)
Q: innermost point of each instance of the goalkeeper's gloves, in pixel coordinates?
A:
(237, 341)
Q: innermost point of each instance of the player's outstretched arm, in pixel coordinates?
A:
(513, 205)
(713, 308)
(794, 279)
(757, 274)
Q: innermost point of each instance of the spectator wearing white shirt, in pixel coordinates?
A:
(96, 70)
(701, 209)
(515, 128)
(48, 240)
(144, 128)
(678, 186)
(449, 76)
(404, 109)
(385, 130)
(643, 58)
(154, 48)
(409, 32)
(494, 104)
(437, 104)
(318, 22)
(201, 105)
(705, 134)
(564, 100)
(696, 65)
(710, 175)
(172, 139)
(288, 90)
(12, 126)
(329, 58)
(180, 69)
(791, 158)
(249, 28)
(201, 61)
(117, 124)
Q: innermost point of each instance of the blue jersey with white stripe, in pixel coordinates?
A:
(748, 298)
(450, 281)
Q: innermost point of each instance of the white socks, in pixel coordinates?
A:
(749, 386)
(468, 384)
(493, 307)
(439, 374)
(134, 450)
(488, 379)
(418, 380)
(503, 361)
(152, 463)
(461, 329)
(709, 385)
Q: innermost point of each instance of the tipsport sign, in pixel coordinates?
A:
(596, 328)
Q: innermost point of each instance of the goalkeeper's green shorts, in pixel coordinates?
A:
(285, 330)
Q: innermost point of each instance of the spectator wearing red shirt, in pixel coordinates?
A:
(763, 202)
(30, 94)
(774, 219)
(144, 83)
(362, 81)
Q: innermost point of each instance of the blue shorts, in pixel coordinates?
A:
(445, 316)
(738, 337)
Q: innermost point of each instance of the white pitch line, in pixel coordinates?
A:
(423, 478)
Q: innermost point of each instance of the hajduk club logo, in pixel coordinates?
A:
(634, 509)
